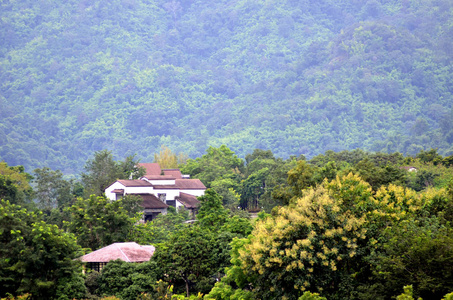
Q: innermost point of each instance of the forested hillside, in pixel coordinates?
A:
(297, 77)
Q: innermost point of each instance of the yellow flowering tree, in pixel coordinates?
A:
(306, 244)
(326, 240)
(344, 240)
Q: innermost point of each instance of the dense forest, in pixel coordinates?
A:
(298, 77)
(341, 225)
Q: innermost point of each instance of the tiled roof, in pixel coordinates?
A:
(129, 252)
(189, 184)
(182, 184)
(189, 201)
(136, 182)
(159, 177)
(151, 168)
(173, 172)
(151, 202)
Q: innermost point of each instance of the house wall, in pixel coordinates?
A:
(178, 205)
(150, 214)
(171, 194)
(108, 191)
(128, 190)
(139, 190)
(158, 210)
(161, 182)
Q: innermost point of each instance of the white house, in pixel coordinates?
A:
(160, 189)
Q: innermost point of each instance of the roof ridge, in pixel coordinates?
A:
(119, 248)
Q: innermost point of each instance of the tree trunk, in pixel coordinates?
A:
(187, 288)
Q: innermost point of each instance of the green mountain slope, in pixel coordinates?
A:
(297, 77)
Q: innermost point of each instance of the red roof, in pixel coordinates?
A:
(173, 172)
(118, 191)
(151, 202)
(159, 177)
(151, 168)
(136, 182)
(189, 201)
(130, 252)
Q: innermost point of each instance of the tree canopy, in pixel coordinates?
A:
(296, 77)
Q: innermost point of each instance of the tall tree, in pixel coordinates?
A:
(98, 222)
(52, 190)
(188, 259)
(216, 164)
(167, 159)
(103, 170)
(211, 213)
(36, 257)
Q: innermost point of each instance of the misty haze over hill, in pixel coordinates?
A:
(296, 77)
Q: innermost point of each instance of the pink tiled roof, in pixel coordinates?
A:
(130, 252)
(173, 172)
(151, 168)
(136, 182)
(189, 201)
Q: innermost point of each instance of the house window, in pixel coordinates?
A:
(96, 266)
(162, 197)
(171, 203)
(151, 216)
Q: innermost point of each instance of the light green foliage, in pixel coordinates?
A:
(377, 175)
(301, 177)
(429, 175)
(98, 222)
(193, 255)
(21, 297)
(234, 277)
(36, 257)
(128, 280)
(263, 176)
(219, 169)
(227, 189)
(222, 291)
(311, 296)
(237, 225)
(160, 228)
(188, 260)
(211, 213)
(217, 163)
(14, 184)
(408, 294)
